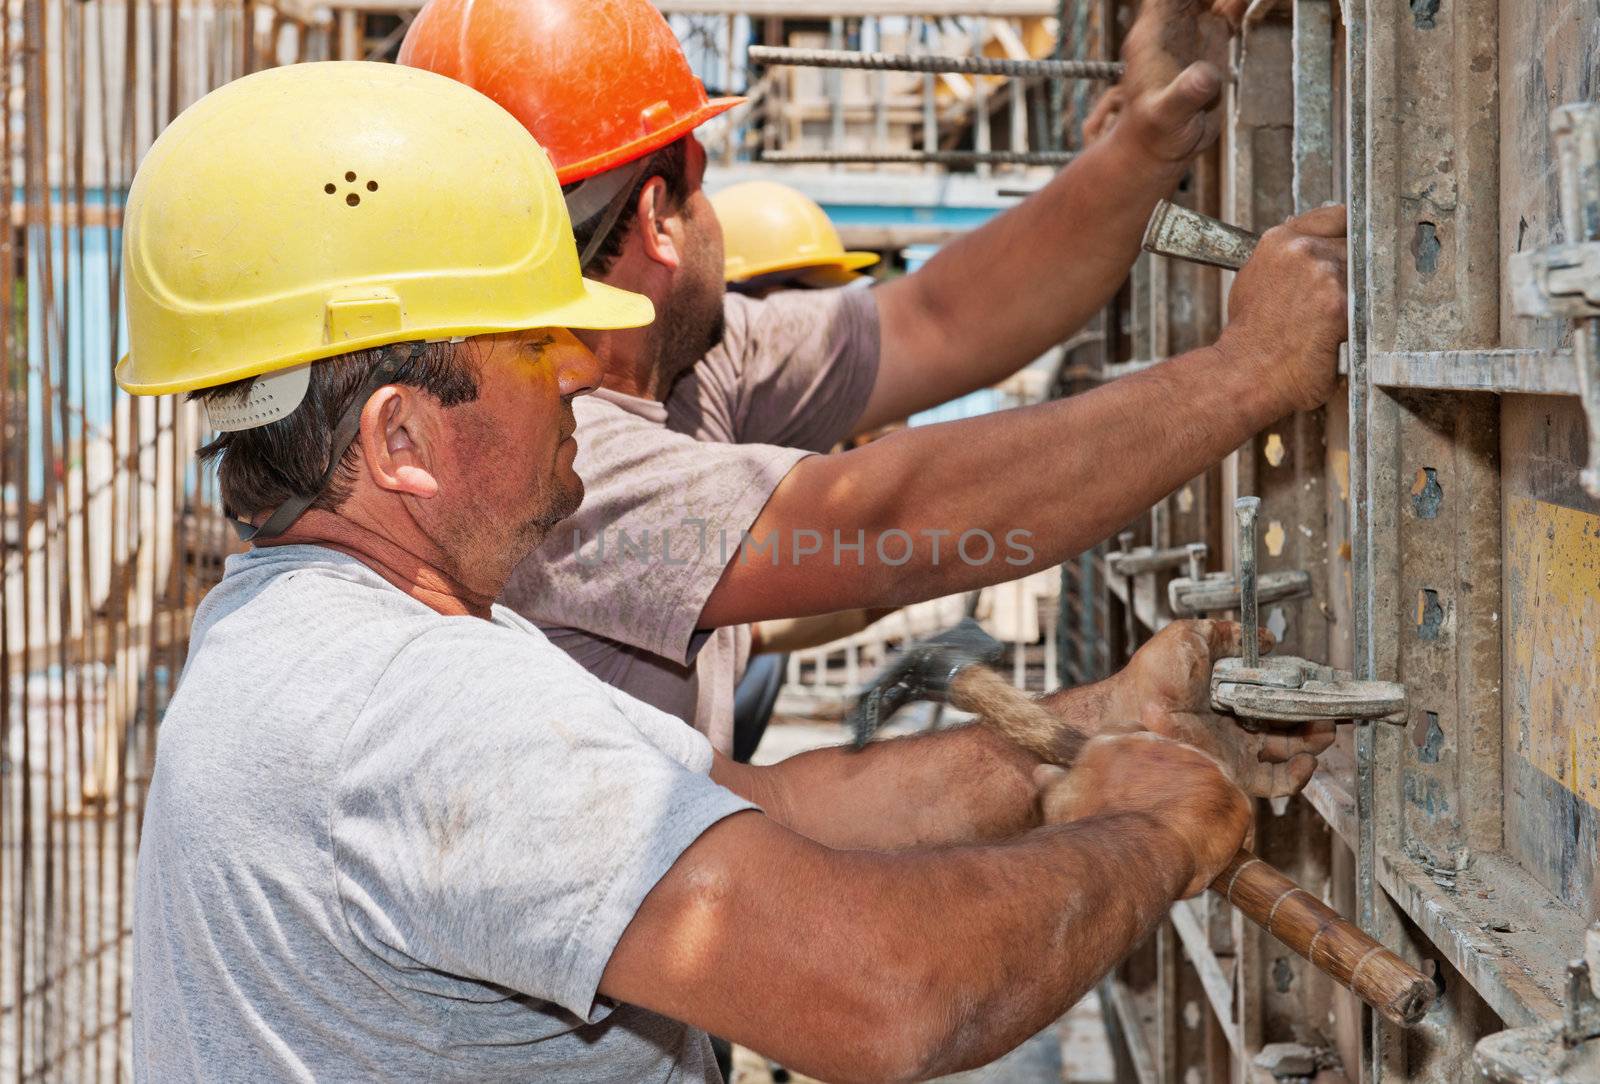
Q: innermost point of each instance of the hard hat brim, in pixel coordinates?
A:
(823, 278)
(599, 308)
(661, 137)
(846, 262)
(602, 308)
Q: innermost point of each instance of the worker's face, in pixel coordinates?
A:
(689, 320)
(507, 456)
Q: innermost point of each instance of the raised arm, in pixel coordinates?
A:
(1043, 483)
(992, 301)
(871, 966)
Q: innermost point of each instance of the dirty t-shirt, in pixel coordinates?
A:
(669, 489)
(385, 844)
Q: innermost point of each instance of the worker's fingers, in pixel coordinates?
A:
(1280, 780)
(1281, 746)
(1046, 776)
(1104, 114)
(1225, 639)
(1329, 221)
(1231, 10)
(1195, 89)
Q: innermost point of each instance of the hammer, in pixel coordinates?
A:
(956, 666)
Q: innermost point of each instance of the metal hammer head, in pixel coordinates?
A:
(922, 672)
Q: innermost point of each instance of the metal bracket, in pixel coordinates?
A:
(1218, 591)
(1564, 280)
(1285, 689)
(1565, 1050)
(1147, 559)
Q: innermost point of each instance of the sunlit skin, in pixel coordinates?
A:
(448, 499)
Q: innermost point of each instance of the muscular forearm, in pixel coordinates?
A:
(1056, 478)
(1041, 920)
(871, 966)
(954, 786)
(995, 299)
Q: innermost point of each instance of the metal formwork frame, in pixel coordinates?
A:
(1437, 507)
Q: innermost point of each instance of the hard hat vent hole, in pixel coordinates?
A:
(330, 188)
(372, 186)
(350, 176)
(352, 199)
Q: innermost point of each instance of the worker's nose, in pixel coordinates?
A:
(577, 369)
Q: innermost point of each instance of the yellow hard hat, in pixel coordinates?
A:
(769, 227)
(317, 209)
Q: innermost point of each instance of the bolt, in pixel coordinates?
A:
(1197, 560)
(1247, 510)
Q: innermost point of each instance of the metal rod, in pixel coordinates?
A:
(1246, 510)
(937, 65)
(943, 158)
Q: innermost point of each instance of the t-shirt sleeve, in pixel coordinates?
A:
(794, 369)
(662, 516)
(501, 814)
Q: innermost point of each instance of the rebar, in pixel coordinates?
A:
(920, 158)
(936, 65)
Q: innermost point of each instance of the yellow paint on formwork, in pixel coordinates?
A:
(1341, 472)
(1553, 640)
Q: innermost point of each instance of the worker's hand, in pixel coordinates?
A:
(1166, 101)
(1287, 310)
(1231, 10)
(1182, 791)
(1166, 687)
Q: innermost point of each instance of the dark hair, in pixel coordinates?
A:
(261, 468)
(671, 164)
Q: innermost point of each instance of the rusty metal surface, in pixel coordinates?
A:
(1188, 235)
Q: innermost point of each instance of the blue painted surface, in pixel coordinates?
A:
(888, 214)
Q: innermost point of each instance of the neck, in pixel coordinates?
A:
(627, 362)
(419, 575)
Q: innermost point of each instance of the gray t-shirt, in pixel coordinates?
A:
(670, 487)
(386, 844)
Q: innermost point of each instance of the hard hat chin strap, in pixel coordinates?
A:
(607, 192)
(344, 433)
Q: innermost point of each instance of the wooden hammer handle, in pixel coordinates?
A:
(1305, 925)
(1332, 943)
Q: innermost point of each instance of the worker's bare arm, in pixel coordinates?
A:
(955, 786)
(969, 784)
(844, 964)
(995, 299)
(1037, 485)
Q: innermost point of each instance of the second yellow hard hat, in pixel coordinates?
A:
(769, 227)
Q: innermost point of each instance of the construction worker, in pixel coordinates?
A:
(707, 508)
(777, 238)
(392, 831)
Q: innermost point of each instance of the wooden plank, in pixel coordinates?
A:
(1214, 970)
(1132, 1029)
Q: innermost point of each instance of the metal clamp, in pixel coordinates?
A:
(1147, 559)
(1282, 688)
(1195, 596)
(1562, 1050)
(1564, 280)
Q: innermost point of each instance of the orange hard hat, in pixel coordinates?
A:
(599, 83)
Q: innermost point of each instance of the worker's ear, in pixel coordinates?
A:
(396, 427)
(660, 224)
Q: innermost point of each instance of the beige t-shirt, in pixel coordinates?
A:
(670, 488)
